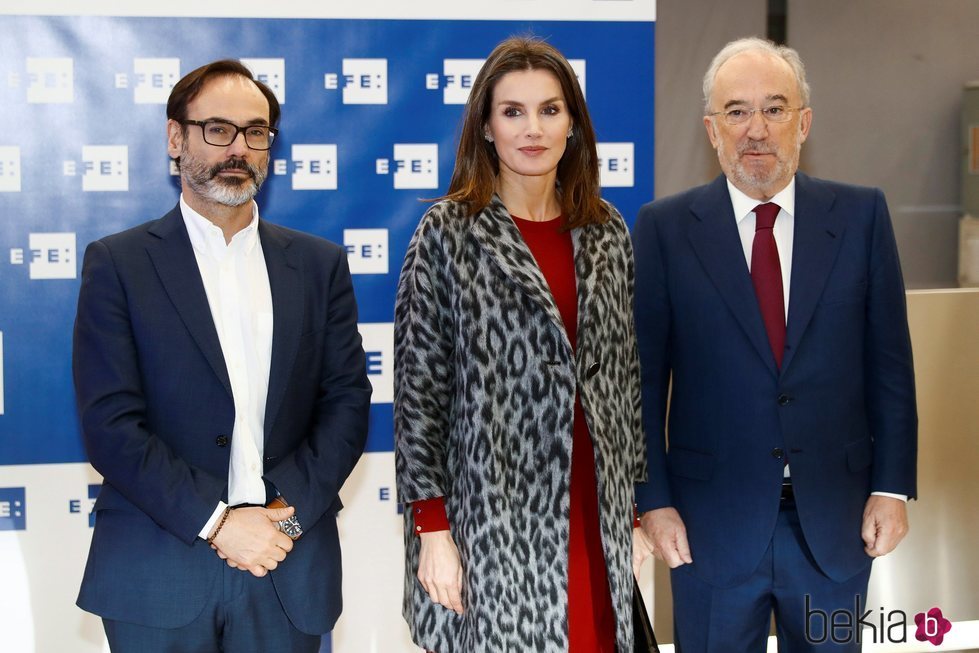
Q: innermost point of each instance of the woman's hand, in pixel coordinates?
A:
(440, 569)
(642, 548)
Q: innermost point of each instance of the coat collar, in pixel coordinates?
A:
(497, 234)
(590, 261)
(816, 239)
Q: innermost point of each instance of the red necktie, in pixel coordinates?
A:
(766, 277)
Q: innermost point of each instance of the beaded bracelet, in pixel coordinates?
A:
(224, 518)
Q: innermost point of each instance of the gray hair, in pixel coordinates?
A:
(755, 44)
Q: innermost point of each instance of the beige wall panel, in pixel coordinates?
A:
(938, 562)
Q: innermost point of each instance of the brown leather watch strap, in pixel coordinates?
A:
(290, 526)
(277, 502)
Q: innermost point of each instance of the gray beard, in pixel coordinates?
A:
(221, 190)
(760, 181)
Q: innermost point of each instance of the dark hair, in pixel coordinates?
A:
(189, 87)
(191, 84)
(477, 165)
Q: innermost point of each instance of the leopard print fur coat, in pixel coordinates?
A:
(485, 382)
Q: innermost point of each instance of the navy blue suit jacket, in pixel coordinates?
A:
(842, 406)
(157, 415)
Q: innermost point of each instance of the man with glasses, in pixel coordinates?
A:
(223, 396)
(773, 337)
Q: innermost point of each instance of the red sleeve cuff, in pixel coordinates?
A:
(429, 515)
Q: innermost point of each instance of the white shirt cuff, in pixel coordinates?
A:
(902, 497)
(213, 520)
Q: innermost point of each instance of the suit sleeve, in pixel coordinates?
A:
(311, 477)
(890, 392)
(424, 372)
(652, 308)
(112, 409)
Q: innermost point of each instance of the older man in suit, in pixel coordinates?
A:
(218, 370)
(774, 302)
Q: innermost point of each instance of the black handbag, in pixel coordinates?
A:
(645, 637)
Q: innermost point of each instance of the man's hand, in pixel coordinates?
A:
(885, 523)
(440, 570)
(250, 539)
(665, 529)
(642, 548)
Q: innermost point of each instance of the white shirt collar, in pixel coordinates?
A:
(744, 205)
(208, 239)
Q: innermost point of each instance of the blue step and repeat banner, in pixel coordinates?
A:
(371, 99)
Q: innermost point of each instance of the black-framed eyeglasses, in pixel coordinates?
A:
(221, 133)
(773, 113)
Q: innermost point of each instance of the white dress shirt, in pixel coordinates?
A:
(236, 282)
(783, 231)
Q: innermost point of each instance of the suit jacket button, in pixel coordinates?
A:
(592, 370)
(221, 440)
(777, 453)
(784, 400)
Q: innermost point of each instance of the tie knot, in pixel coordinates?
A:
(765, 215)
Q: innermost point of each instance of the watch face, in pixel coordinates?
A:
(291, 527)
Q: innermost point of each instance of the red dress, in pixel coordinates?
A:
(591, 619)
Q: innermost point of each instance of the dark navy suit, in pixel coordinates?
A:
(157, 415)
(841, 407)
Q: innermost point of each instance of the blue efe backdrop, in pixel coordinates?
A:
(36, 315)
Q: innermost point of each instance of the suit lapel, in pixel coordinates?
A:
(173, 257)
(714, 237)
(288, 306)
(816, 242)
(501, 239)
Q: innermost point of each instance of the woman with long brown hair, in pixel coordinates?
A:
(517, 424)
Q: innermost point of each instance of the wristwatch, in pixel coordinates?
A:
(290, 526)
